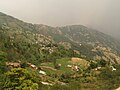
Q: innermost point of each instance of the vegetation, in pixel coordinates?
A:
(40, 57)
(19, 79)
(3, 67)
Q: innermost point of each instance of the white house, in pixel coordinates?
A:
(46, 83)
(113, 69)
(69, 66)
(42, 72)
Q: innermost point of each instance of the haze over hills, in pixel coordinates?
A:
(69, 57)
(101, 15)
(89, 43)
(82, 39)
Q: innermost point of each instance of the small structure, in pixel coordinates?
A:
(98, 68)
(33, 66)
(42, 72)
(59, 65)
(46, 83)
(69, 66)
(75, 68)
(113, 69)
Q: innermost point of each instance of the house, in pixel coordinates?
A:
(42, 72)
(32, 66)
(69, 66)
(46, 83)
(113, 69)
(59, 65)
(75, 68)
(98, 68)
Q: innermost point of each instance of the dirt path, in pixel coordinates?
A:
(47, 67)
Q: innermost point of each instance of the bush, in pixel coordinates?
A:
(19, 79)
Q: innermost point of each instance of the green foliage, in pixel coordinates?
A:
(3, 67)
(19, 79)
(2, 81)
(109, 80)
(102, 63)
(59, 87)
(24, 65)
(23, 42)
(93, 65)
(73, 85)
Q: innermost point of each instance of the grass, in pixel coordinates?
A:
(47, 64)
(63, 69)
(64, 62)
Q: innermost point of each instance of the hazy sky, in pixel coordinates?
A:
(103, 15)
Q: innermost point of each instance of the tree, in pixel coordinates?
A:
(23, 64)
(93, 65)
(19, 79)
(3, 67)
(102, 63)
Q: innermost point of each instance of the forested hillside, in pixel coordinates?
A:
(41, 57)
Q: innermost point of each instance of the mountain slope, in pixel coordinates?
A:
(65, 58)
(21, 42)
(90, 44)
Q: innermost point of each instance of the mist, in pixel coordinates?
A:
(102, 15)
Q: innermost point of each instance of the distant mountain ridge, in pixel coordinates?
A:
(84, 40)
(90, 44)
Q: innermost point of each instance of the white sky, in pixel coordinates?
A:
(103, 15)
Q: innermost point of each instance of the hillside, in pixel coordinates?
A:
(89, 43)
(21, 42)
(41, 57)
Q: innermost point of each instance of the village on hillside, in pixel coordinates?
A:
(74, 66)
